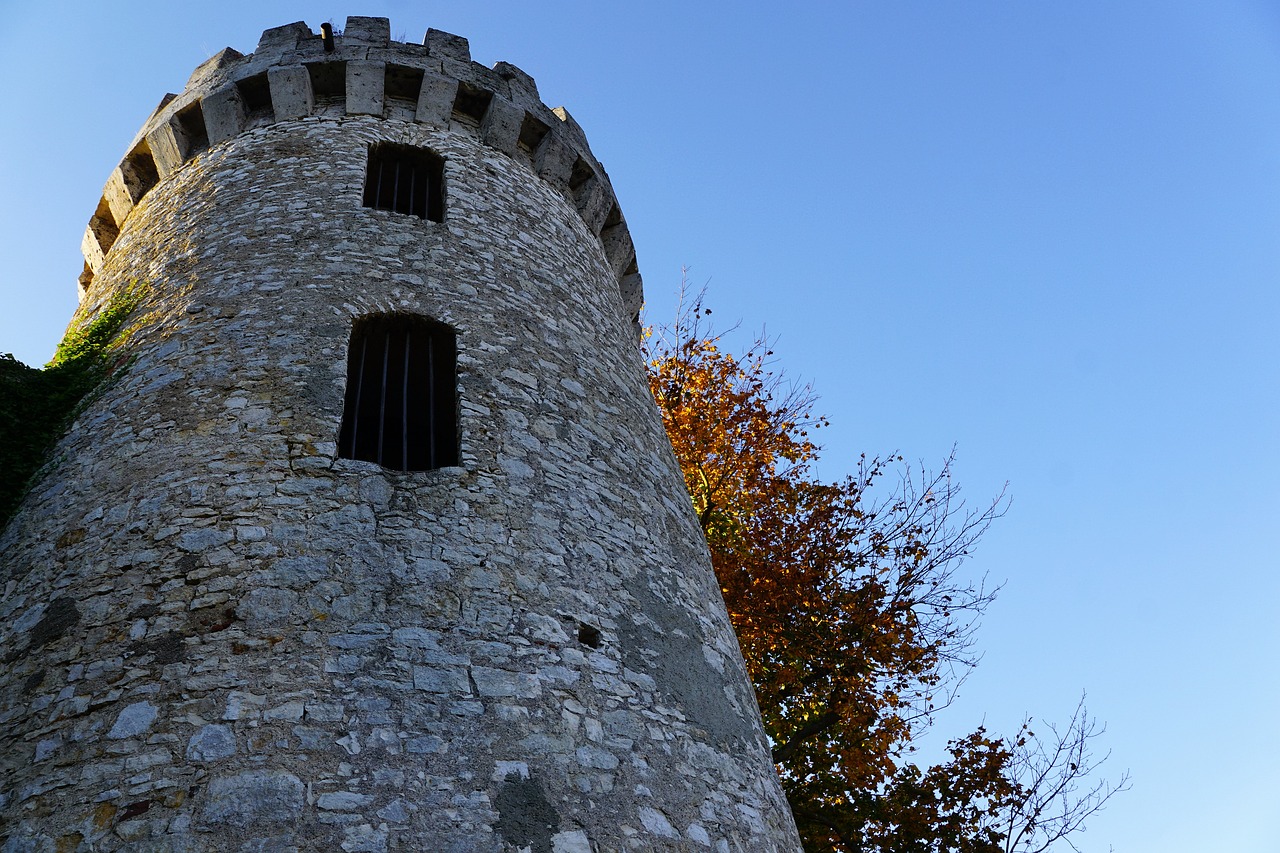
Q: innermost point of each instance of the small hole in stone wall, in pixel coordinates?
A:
(328, 82)
(104, 227)
(588, 635)
(140, 171)
(134, 809)
(256, 94)
(582, 172)
(532, 132)
(614, 218)
(191, 123)
(471, 103)
(403, 83)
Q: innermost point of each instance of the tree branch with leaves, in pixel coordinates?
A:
(852, 613)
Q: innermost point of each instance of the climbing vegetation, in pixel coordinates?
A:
(37, 406)
(854, 618)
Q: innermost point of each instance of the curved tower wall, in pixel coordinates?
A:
(219, 635)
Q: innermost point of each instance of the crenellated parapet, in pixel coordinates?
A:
(294, 74)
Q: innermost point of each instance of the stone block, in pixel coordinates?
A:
(224, 113)
(632, 290)
(343, 801)
(447, 46)
(99, 236)
(221, 61)
(435, 99)
(252, 797)
(594, 201)
(572, 129)
(618, 247)
(596, 758)
(117, 194)
(371, 32)
(657, 823)
(441, 680)
(211, 743)
(266, 607)
(291, 95)
(554, 160)
(575, 841)
(168, 144)
(134, 720)
(281, 39)
(366, 84)
(524, 91)
(500, 683)
(501, 125)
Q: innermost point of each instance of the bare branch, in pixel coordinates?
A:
(1057, 790)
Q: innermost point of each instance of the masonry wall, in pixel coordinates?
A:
(218, 635)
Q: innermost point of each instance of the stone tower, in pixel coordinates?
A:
(376, 542)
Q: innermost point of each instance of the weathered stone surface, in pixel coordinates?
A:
(168, 145)
(501, 125)
(224, 114)
(291, 95)
(251, 798)
(375, 32)
(343, 801)
(447, 45)
(571, 842)
(366, 81)
(657, 823)
(435, 99)
(223, 637)
(211, 743)
(133, 720)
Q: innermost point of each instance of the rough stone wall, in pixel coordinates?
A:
(218, 635)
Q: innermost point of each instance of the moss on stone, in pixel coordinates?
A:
(37, 406)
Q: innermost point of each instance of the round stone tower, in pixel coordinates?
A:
(374, 541)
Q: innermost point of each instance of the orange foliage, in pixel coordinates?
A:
(848, 608)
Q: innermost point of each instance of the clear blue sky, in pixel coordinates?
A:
(1043, 232)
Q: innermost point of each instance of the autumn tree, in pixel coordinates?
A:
(854, 620)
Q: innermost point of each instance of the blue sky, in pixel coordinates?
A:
(1043, 233)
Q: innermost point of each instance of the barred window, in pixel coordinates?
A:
(406, 180)
(401, 405)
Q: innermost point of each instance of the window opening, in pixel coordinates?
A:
(403, 83)
(191, 121)
(471, 103)
(140, 171)
(532, 132)
(401, 403)
(328, 82)
(104, 227)
(406, 180)
(255, 92)
(580, 175)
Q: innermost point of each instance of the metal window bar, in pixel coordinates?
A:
(355, 420)
(404, 406)
(382, 402)
(421, 199)
(431, 402)
(395, 189)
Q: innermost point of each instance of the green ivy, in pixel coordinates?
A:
(37, 406)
